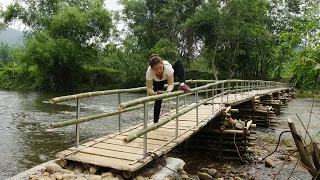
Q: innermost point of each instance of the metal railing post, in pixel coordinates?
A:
(177, 118)
(213, 90)
(197, 116)
(242, 90)
(119, 115)
(145, 123)
(228, 91)
(195, 85)
(78, 125)
(222, 92)
(236, 89)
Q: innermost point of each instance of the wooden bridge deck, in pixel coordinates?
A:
(110, 151)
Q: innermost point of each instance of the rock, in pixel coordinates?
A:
(244, 175)
(93, 169)
(204, 169)
(57, 176)
(205, 176)
(66, 171)
(45, 174)
(68, 176)
(95, 177)
(107, 174)
(269, 162)
(34, 177)
(166, 178)
(62, 162)
(184, 176)
(237, 178)
(119, 177)
(212, 172)
(78, 169)
(194, 177)
(52, 168)
(45, 178)
(81, 178)
(139, 178)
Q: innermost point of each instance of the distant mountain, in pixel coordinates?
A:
(11, 36)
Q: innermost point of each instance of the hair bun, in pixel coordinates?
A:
(154, 55)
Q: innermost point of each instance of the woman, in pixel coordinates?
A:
(158, 73)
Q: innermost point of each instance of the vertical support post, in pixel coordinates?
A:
(197, 109)
(177, 118)
(228, 91)
(236, 89)
(242, 90)
(222, 92)
(185, 100)
(78, 125)
(119, 115)
(145, 137)
(195, 85)
(213, 89)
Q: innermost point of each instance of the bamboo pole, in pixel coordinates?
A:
(300, 146)
(90, 118)
(109, 92)
(226, 131)
(137, 134)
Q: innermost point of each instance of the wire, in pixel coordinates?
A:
(276, 146)
(284, 162)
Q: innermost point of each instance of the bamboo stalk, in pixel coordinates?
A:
(137, 134)
(108, 92)
(299, 144)
(226, 131)
(90, 118)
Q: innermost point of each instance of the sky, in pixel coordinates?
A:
(110, 4)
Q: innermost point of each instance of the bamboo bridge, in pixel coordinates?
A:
(131, 149)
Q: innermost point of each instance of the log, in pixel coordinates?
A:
(248, 125)
(225, 132)
(315, 154)
(234, 111)
(300, 146)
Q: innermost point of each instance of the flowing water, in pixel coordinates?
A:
(25, 140)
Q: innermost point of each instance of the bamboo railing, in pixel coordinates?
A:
(220, 88)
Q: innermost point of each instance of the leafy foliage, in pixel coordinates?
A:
(66, 35)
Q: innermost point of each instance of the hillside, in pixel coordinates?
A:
(11, 36)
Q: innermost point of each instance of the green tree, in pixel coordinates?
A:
(152, 20)
(4, 53)
(166, 50)
(66, 35)
(233, 32)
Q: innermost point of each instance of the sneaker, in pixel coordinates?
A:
(185, 88)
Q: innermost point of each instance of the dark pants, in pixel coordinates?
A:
(179, 71)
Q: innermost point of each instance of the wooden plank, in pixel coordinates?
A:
(151, 141)
(110, 153)
(132, 144)
(113, 147)
(103, 161)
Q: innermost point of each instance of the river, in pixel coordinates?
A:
(26, 141)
